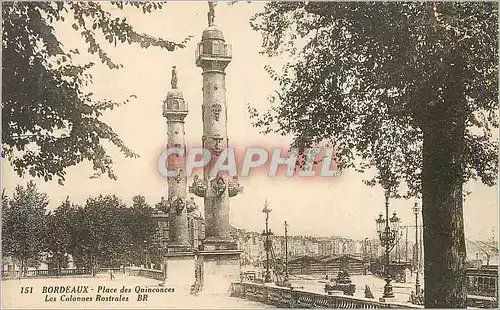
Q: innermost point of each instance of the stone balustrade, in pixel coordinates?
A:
(148, 273)
(297, 298)
(46, 273)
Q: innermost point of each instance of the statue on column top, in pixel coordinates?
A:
(173, 82)
(211, 13)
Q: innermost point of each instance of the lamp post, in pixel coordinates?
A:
(286, 251)
(399, 246)
(365, 256)
(417, 283)
(267, 242)
(406, 246)
(387, 234)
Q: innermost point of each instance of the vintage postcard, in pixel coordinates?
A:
(249, 154)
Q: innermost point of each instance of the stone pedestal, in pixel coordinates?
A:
(179, 270)
(220, 268)
(219, 244)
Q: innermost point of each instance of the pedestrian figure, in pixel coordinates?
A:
(420, 297)
(412, 298)
(111, 274)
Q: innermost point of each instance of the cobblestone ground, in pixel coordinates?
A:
(13, 298)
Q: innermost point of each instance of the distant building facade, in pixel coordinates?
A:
(252, 244)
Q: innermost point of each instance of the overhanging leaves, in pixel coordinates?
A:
(50, 122)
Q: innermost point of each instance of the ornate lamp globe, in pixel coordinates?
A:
(415, 208)
(394, 222)
(266, 208)
(380, 223)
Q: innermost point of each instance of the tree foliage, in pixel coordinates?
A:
(100, 235)
(58, 233)
(408, 88)
(50, 120)
(365, 76)
(142, 228)
(23, 224)
(107, 233)
(104, 232)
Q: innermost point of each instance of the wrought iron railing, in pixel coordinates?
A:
(483, 281)
(213, 49)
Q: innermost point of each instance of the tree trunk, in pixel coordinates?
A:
(92, 264)
(59, 265)
(442, 201)
(21, 274)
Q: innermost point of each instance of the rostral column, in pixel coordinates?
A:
(175, 110)
(213, 55)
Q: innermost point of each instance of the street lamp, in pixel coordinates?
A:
(286, 251)
(267, 241)
(380, 223)
(366, 259)
(387, 230)
(395, 220)
(416, 210)
(394, 223)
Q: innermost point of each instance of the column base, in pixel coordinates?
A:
(220, 268)
(175, 248)
(179, 270)
(219, 244)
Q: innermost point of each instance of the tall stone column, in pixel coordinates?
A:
(213, 55)
(218, 262)
(175, 110)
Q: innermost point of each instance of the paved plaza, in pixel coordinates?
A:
(15, 300)
(177, 299)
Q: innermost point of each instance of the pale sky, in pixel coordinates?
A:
(322, 207)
